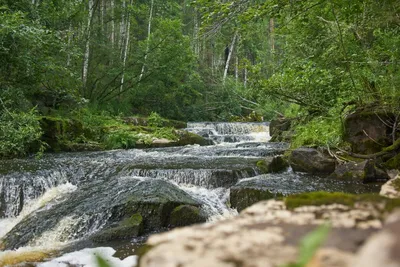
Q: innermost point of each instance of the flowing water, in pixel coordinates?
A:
(76, 194)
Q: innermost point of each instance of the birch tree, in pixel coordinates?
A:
(232, 46)
(86, 55)
(148, 40)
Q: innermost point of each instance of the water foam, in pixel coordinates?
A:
(49, 198)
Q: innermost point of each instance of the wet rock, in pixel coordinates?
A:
(185, 215)
(382, 249)
(101, 205)
(126, 229)
(266, 234)
(250, 191)
(311, 160)
(272, 164)
(366, 171)
(368, 131)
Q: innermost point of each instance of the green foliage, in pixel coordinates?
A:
(19, 134)
(319, 131)
(310, 244)
(120, 139)
(155, 120)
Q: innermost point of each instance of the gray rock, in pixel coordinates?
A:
(310, 160)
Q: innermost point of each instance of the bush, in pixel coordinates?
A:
(320, 131)
(19, 134)
(155, 120)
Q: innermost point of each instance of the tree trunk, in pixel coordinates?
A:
(196, 45)
(229, 56)
(126, 47)
(69, 40)
(112, 25)
(148, 40)
(122, 28)
(272, 35)
(87, 44)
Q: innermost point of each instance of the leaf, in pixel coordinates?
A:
(102, 262)
(311, 243)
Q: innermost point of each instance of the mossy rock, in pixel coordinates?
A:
(272, 165)
(242, 197)
(184, 215)
(393, 163)
(126, 229)
(187, 138)
(325, 198)
(367, 131)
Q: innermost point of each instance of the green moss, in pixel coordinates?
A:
(262, 165)
(326, 198)
(185, 215)
(393, 163)
(318, 199)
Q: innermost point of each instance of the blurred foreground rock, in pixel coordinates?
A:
(266, 234)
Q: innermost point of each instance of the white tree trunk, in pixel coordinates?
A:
(112, 25)
(148, 40)
(236, 69)
(122, 28)
(126, 47)
(229, 56)
(87, 44)
(196, 45)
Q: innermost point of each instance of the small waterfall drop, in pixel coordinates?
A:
(231, 132)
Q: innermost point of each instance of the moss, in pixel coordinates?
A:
(126, 229)
(262, 165)
(393, 163)
(185, 215)
(326, 198)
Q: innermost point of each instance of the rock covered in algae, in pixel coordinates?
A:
(184, 215)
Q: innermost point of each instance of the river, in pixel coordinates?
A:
(68, 197)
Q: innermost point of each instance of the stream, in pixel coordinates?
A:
(59, 201)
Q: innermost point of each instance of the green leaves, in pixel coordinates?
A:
(310, 244)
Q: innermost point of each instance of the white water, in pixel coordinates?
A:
(88, 257)
(49, 198)
(213, 200)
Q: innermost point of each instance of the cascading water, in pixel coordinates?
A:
(64, 198)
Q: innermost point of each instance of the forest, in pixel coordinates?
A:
(97, 61)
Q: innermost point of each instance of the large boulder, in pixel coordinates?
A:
(311, 160)
(104, 204)
(266, 234)
(366, 171)
(391, 188)
(368, 131)
(383, 248)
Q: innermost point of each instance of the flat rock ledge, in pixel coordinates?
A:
(266, 234)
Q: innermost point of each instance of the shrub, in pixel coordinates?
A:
(20, 133)
(155, 120)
